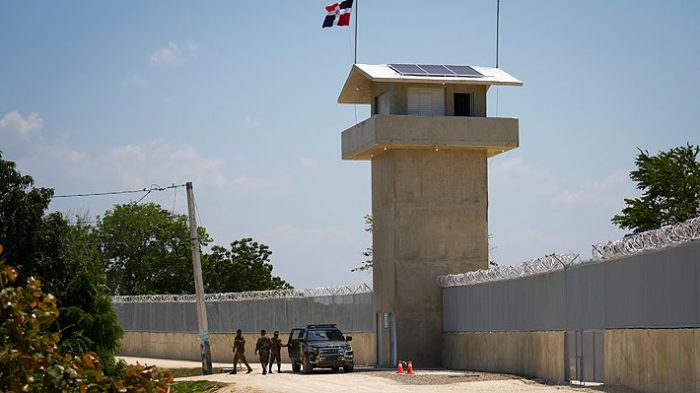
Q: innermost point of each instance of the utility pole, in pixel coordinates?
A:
(202, 323)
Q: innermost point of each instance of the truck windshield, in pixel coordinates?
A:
(324, 335)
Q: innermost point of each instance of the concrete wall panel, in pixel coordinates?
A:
(538, 354)
(653, 360)
(185, 346)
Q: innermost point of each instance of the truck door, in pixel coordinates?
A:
(294, 345)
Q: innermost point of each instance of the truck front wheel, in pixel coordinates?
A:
(307, 366)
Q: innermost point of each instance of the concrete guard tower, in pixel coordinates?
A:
(428, 140)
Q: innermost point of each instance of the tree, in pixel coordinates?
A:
(71, 264)
(245, 267)
(368, 263)
(67, 260)
(146, 250)
(22, 207)
(670, 182)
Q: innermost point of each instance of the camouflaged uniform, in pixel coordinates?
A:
(276, 352)
(239, 353)
(262, 348)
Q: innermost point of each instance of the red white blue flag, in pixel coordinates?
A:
(338, 14)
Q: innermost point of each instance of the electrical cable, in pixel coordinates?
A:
(154, 187)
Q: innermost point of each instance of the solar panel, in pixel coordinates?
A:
(464, 71)
(436, 70)
(408, 69)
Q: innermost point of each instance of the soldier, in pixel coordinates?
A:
(262, 349)
(239, 352)
(275, 351)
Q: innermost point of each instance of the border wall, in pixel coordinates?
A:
(632, 321)
(165, 326)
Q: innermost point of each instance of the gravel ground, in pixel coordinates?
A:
(444, 377)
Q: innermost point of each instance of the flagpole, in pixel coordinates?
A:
(355, 61)
(498, 19)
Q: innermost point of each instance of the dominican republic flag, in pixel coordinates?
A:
(338, 14)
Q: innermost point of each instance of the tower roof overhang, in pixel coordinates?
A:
(358, 85)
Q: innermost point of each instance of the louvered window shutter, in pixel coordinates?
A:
(426, 102)
(384, 103)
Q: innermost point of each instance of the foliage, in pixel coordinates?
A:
(71, 267)
(29, 356)
(21, 210)
(197, 386)
(670, 182)
(368, 263)
(245, 267)
(147, 250)
(68, 261)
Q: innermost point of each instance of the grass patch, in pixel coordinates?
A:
(196, 387)
(191, 372)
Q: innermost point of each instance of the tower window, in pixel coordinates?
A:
(463, 104)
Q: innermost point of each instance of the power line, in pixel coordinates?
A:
(154, 187)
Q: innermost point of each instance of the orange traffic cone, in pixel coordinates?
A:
(410, 367)
(400, 370)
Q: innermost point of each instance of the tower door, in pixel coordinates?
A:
(426, 101)
(463, 104)
(385, 336)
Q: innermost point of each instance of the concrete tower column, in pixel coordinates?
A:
(430, 218)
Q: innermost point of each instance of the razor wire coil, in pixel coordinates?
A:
(629, 245)
(650, 240)
(545, 264)
(250, 295)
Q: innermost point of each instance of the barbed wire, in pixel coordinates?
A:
(545, 264)
(650, 240)
(250, 295)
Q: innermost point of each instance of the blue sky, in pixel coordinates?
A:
(240, 98)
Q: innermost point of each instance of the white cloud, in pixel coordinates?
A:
(308, 162)
(172, 54)
(139, 165)
(26, 127)
(130, 151)
(517, 175)
(607, 192)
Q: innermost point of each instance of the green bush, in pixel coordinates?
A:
(30, 360)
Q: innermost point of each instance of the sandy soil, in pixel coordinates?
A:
(370, 380)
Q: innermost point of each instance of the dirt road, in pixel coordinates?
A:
(370, 381)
